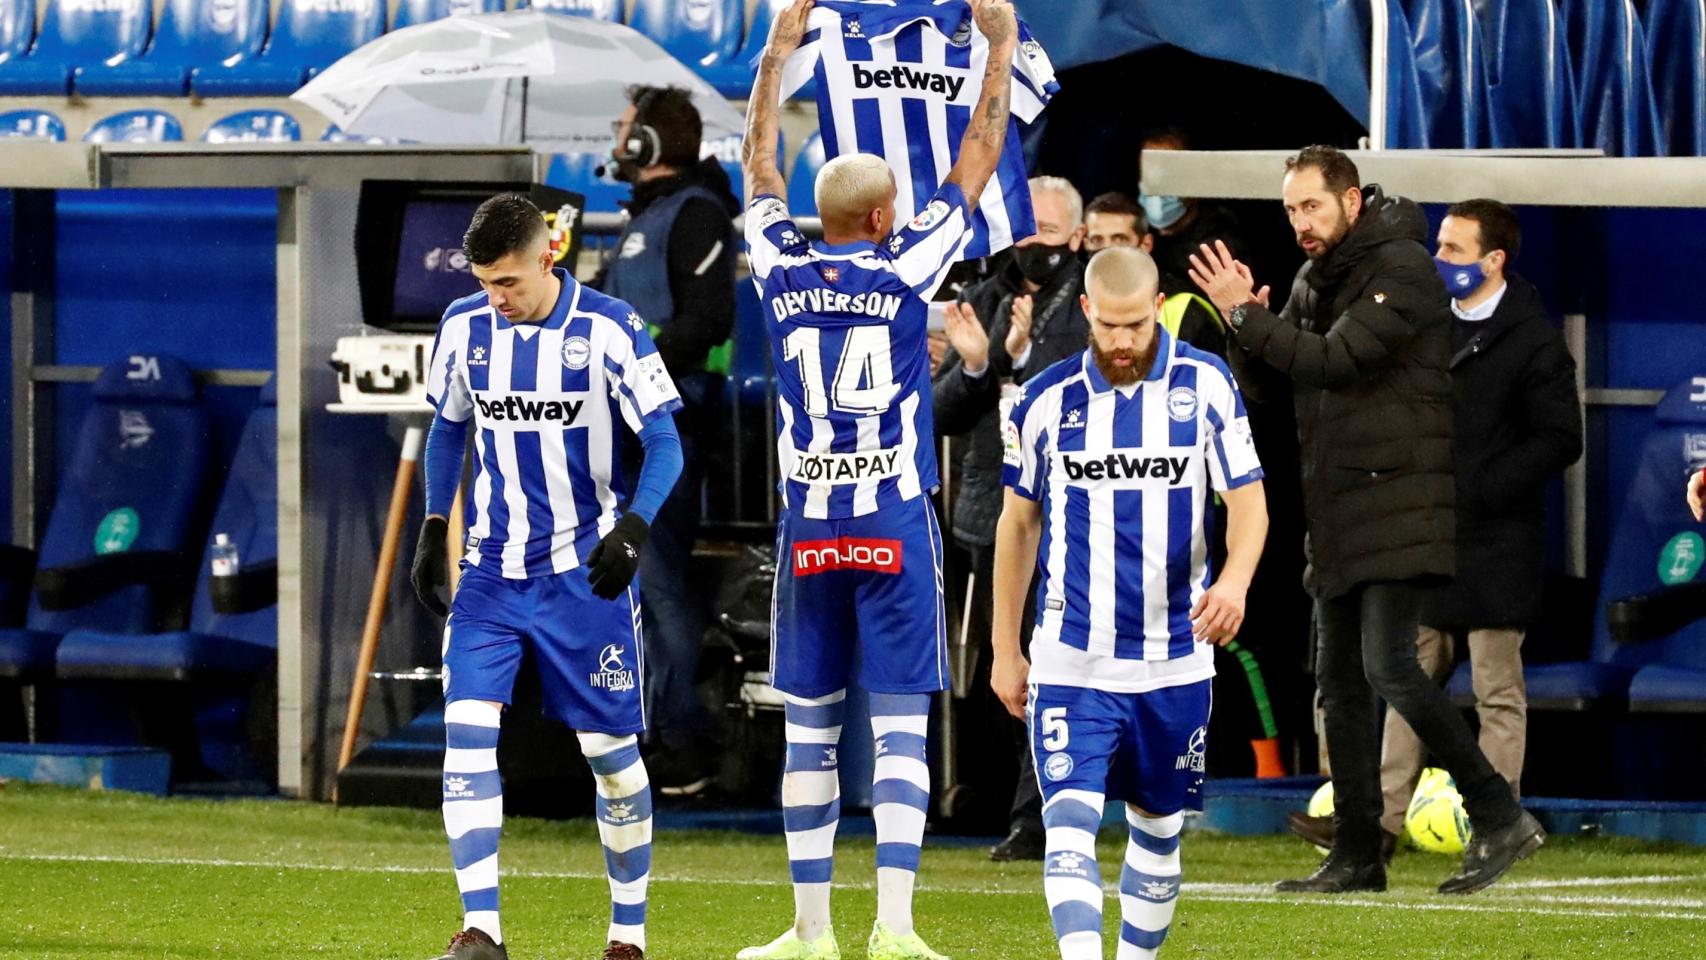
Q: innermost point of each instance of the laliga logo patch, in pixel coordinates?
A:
(1058, 767)
(931, 215)
(1182, 404)
(577, 353)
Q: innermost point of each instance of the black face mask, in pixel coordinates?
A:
(1039, 261)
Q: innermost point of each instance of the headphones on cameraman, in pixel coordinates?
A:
(643, 147)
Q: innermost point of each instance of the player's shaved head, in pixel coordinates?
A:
(1120, 273)
(849, 189)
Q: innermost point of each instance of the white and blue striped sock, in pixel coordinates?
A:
(474, 808)
(1149, 883)
(1072, 880)
(624, 808)
(900, 800)
(811, 804)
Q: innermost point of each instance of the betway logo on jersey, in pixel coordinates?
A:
(512, 408)
(846, 553)
(836, 468)
(903, 77)
(1123, 466)
(791, 302)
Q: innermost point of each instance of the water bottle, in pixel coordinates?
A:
(224, 556)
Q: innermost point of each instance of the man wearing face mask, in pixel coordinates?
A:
(675, 263)
(1003, 330)
(1182, 224)
(1365, 340)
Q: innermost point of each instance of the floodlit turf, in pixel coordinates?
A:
(95, 876)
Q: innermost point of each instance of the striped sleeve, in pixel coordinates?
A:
(1232, 460)
(639, 383)
(770, 235)
(932, 242)
(1024, 445)
(447, 382)
(1033, 77)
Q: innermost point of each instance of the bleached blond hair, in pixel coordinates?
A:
(851, 186)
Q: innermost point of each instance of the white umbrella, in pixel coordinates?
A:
(527, 76)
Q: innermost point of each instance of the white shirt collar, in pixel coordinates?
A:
(1484, 310)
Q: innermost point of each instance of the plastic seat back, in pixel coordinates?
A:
(17, 28)
(1531, 91)
(248, 516)
(411, 12)
(315, 33)
(136, 126)
(77, 32)
(134, 483)
(31, 125)
(699, 33)
(254, 126)
(1676, 53)
(802, 198)
(202, 33)
(602, 9)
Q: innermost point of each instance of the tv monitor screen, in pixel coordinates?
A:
(408, 245)
(431, 268)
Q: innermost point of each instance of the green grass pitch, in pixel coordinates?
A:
(119, 877)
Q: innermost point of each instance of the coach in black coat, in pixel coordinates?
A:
(1519, 423)
(1365, 341)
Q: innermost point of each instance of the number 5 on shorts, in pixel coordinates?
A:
(1055, 734)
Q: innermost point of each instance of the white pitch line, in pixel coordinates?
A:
(1212, 892)
(1603, 881)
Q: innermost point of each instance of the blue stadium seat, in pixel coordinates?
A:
(17, 28)
(73, 35)
(115, 555)
(735, 80)
(31, 124)
(802, 200)
(1613, 86)
(193, 35)
(1406, 119)
(254, 126)
(704, 34)
(136, 126)
(1676, 39)
(727, 151)
(411, 12)
(1531, 89)
(232, 636)
(307, 36)
(602, 9)
(1655, 547)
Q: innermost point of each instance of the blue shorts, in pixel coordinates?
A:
(1144, 748)
(871, 585)
(587, 650)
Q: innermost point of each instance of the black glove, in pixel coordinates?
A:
(431, 565)
(611, 565)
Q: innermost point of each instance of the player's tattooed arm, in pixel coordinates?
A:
(758, 149)
(980, 148)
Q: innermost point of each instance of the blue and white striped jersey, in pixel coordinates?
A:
(1123, 474)
(546, 399)
(854, 427)
(900, 80)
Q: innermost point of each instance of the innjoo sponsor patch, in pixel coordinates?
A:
(846, 553)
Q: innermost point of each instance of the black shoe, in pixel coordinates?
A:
(1340, 873)
(1021, 844)
(681, 772)
(1319, 831)
(623, 951)
(474, 944)
(1490, 856)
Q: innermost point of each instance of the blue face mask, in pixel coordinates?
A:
(1162, 212)
(1461, 279)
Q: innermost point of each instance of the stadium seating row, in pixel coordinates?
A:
(227, 47)
(117, 610)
